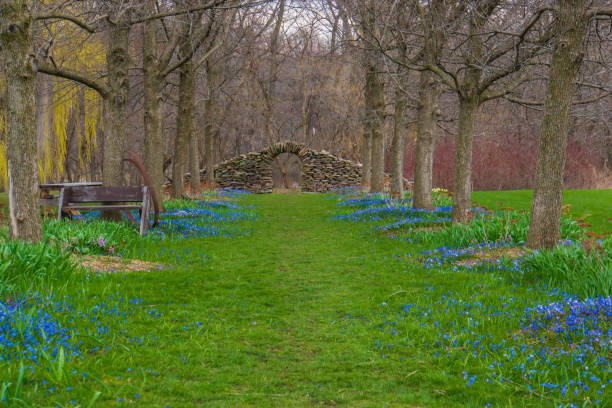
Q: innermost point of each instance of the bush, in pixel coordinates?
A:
(510, 227)
(99, 237)
(26, 267)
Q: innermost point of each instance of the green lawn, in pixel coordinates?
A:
(299, 311)
(594, 206)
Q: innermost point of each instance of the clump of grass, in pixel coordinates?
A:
(510, 227)
(26, 267)
(582, 269)
(97, 237)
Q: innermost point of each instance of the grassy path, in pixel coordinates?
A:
(295, 274)
(270, 301)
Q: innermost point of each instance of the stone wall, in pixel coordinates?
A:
(321, 171)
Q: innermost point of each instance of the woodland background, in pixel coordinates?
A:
(291, 70)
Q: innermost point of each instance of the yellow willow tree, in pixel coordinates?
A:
(70, 102)
(113, 91)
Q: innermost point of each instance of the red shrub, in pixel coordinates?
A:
(508, 162)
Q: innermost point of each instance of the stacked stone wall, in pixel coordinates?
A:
(321, 171)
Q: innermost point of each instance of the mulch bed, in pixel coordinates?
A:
(491, 256)
(114, 264)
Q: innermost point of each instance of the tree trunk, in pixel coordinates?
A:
(115, 112)
(429, 93)
(153, 139)
(366, 159)
(426, 140)
(374, 143)
(183, 120)
(209, 131)
(116, 106)
(20, 71)
(397, 147)
(462, 182)
(194, 161)
(378, 140)
(570, 26)
(469, 101)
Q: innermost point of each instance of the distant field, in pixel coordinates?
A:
(594, 206)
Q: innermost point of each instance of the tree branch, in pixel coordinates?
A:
(59, 16)
(599, 11)
(444, 75)
(201, 36)
(207, 6)
(529, 102)
(490, 94)
(66, 73)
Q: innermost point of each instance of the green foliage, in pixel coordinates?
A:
(511, 227)
(367, 326)
(26, 267)
(441, 198)
(580, 269)
(91, 237)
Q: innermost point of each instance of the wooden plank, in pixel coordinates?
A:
(144, 213)
(104, 207)
(104, 194)
(60, 205)
(57, 186)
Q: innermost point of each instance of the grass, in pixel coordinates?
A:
(594, 206)
(298, 309)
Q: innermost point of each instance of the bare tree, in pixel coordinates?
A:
(373, 151)
(570, 31)
(484, 72)
(433, 19)
(16, 40)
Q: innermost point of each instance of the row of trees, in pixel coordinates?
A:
(223, 77)
(480, 51)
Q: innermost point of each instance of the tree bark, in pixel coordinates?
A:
(374, 143)
(20, 70)
(115, 110)
(366, 159)
(397, 146)
(183, 119)
(366, 142)
(429, 93)
(469, 102)
(462, 181)
(116, 105)
(426, 140)
(571, 27)
(194, 160)
(378, 140)
(153, 139)
(209, 131)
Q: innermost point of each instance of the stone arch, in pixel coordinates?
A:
(321, 171)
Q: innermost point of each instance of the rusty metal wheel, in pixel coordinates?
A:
(135, 160)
